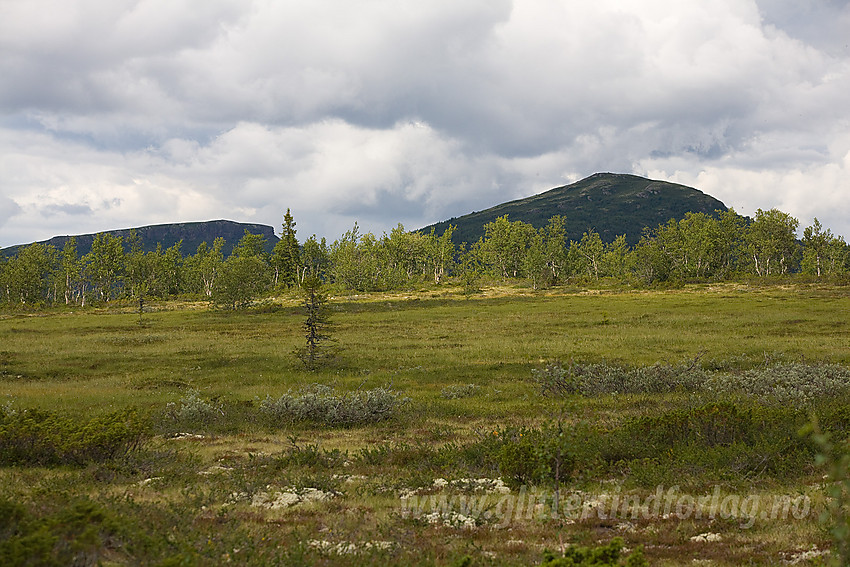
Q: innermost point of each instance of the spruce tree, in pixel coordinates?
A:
(316, 352)
(286, 254)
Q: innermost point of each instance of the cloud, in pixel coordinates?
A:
(153, 111)
(8, 209)
(66, 209)
(812, 190)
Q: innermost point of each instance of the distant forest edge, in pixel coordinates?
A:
(698, 247)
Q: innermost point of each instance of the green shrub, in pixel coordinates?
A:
(727, 439)
(459, 391)
(610, 555)
(191, 411)
(404, 455)
(78, 534)
(603, 378)
(311, 455)
(794, 383)
(38, 437)
(319, 403)
(535, 456)
(834, 457)
(713, 424)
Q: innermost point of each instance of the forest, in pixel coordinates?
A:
(696, 248)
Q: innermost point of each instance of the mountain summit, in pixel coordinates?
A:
(610, 203)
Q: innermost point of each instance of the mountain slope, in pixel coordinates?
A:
(610, 203)
(192, 234)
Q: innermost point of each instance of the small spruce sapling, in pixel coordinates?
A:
(317, 351)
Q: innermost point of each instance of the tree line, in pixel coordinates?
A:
(699, 247)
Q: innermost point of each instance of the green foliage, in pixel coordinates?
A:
(316, 327)
(321, 404)
(603, 378)
(105, 265)
(505, 246)
(315, 258)
(311, 455)
(83, 533)
(250, 246)
(203, 268)
(194, 412)
(26, 277)
(721, 437)
(834, 457)
(157, 273)
(796, 384)
(722, 423)
(611, 555)
(823, 253)
(771, 243)
(239, 281)
(696, 247)
(354, 261)
(692, 246)
(586, 255)
(440, 253)
(536, 456)
(470, 267)
(458, 391)
(285, 258)
(38, 437)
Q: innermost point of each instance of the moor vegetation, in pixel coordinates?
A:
(502, 428)
(523, 400)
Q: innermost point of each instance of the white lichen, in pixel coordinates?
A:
(450, 520)
(288, 498)
(348, 547)
(806, 556)
(707, 537)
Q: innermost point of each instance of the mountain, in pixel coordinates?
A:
(611, 203)
(192, 234)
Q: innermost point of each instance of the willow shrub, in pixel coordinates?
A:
(39, 437)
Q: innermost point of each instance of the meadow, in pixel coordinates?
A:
(466, 429)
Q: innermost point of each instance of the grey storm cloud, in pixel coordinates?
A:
(164, 111)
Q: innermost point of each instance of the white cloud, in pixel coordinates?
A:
(157, 111)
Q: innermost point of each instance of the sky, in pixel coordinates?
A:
(123, 113)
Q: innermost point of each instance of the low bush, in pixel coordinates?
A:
(833, 456)
(39, 437)
(791, 383)
(536, 456)
(459, 391)
(83, 533)
(192, 411)
(311, 455)
(603, 378)
(723, 438)
(319, 403)
(611, 554)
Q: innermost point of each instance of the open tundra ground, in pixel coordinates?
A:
(490, 427)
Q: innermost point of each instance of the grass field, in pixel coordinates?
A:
(216, 477)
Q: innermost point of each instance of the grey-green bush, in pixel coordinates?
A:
(319, 403)
(603, 378)
(795, 383)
